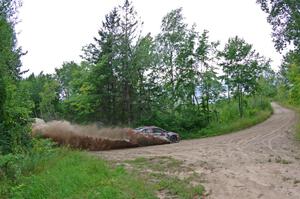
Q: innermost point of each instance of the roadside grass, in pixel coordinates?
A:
(74, 174)
(52, 172)
(219, 128)
(168, 176)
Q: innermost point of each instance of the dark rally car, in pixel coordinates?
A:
(159, 132)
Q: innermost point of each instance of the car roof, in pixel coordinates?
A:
(149, 127)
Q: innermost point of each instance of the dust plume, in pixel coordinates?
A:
(92, 138)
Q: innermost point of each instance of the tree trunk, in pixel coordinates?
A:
(240, 100)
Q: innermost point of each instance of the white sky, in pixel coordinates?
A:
(54, 31)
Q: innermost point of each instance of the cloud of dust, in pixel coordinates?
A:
(90, 137)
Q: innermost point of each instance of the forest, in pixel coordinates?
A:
(179, 79)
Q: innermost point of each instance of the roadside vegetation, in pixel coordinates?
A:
(51, 172)
(256, 111)
(178, 79)
(289, 84)
(284, 16)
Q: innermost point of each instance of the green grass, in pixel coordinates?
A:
(229, 126)
(73, 174)
(64, 173)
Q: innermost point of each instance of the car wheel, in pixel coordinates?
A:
(173, 139)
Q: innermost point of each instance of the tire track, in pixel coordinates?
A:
(245, 164)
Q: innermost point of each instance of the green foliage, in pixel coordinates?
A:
(49, 99)
(183, 119)
(44, 91)
(172, 81)
(15, 128)
(13, 166)
(14, 101)
(227, 119)
(284, 16)
(48, 172)
(288, 79)
(293, 75)
(242, 67)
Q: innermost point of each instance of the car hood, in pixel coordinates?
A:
(172, 133)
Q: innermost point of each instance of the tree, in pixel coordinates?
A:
(13, 112)
(145, 85)
(170, 43)
(209, 85)
(187, 79)
(49, 100)
(242, 67)
(114, 75)
(81, 103)
(292, 74)
(129, 24)
(284, 16)
(34, 85)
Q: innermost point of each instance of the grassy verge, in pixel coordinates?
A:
(62, 173)
(232, 125)
(73, 174)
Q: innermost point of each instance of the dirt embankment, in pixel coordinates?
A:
(91, 137)
(260, 162)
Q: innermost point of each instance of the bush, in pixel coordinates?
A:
(256, 110)
(47, 172)
(12, 166)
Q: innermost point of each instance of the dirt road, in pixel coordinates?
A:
(260, 162)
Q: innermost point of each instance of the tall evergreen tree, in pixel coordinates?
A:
(129, 25)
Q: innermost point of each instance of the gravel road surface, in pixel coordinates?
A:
(259, 162)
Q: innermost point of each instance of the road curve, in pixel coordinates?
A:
(259, 162)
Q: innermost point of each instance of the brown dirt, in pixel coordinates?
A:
(91, 138)
(260, 162)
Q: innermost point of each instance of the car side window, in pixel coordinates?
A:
(156, 130)
(148, 131)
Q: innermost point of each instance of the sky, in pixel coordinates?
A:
(54, 31)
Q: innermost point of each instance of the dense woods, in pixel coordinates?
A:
(284, 16)
(173, 79)
(179, 79)
(15, 104)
